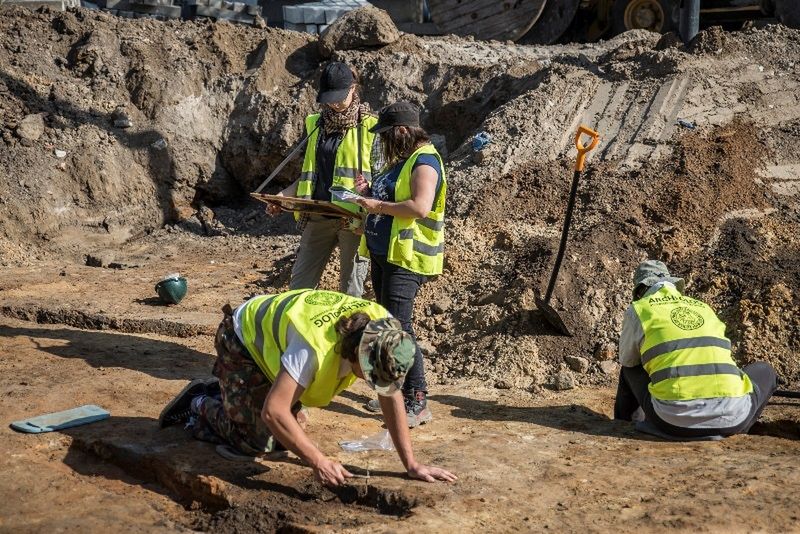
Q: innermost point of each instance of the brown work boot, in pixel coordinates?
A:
(417, 411)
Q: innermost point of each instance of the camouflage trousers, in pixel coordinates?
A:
(236, 417)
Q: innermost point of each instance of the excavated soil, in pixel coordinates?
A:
(126, 151)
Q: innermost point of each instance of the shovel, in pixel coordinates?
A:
(550, 315)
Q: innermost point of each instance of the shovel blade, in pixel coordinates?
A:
(552, 317)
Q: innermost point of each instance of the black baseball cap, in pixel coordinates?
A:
(397, 114)
(335, 83)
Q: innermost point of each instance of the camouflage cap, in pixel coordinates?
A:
(650, 272)
(385, 354)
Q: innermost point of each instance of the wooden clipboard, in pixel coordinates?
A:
(304, 205)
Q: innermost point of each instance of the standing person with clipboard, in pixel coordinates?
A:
(404, 231)
(340, 148)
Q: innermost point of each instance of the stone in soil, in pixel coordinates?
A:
(31, 127)
(367, 26)
(609, 367)
(563, 380)
(577, 363)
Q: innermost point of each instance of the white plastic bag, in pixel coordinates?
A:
(381, 441)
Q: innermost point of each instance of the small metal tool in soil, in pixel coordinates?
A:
(551, 315)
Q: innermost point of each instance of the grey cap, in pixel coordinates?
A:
(650, 272)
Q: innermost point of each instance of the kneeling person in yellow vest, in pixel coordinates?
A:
(677, 365)
(302, 347)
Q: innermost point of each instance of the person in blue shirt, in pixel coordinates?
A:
(404, 230)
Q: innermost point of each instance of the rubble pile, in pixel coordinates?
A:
(113, 128)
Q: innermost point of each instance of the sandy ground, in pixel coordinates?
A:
(551, 461)
(166, 192)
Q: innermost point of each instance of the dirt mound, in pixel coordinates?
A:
(112, 128)
(686, 215)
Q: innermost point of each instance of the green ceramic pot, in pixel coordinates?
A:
(172, 289)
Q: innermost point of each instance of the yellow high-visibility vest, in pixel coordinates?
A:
(417, 244)
(346, 162)
(685, 350)
(313, 313)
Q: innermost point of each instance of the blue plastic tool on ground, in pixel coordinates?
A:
(50, 422)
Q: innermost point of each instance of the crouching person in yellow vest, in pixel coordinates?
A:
(302, 347)
(677, 364)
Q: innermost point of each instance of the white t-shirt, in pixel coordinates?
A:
(299, 359)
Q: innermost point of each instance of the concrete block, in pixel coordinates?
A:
(314, 14)
(136, 6)
(293, 15)
(121, 5)
(223, 14)
(152, 2)
(333, 13)
(241, 18)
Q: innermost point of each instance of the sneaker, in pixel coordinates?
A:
(417, 411)
(213, 389)
(373, 406)
(179, 409)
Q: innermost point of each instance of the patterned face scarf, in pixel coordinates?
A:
(336, 122)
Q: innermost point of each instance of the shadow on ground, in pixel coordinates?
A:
(160, 359)
(571, 418)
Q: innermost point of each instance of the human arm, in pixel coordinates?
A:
(424, 180)
(278, 416)
(394, 414)
(630, 339)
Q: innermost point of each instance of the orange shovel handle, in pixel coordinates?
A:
(583, 150)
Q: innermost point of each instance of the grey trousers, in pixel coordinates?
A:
(319, 239)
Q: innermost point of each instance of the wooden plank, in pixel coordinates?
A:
(448, 9)
(503, 11)
(486, 19)
(317, 207)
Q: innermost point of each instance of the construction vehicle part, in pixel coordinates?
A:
(655, 15)
(788, 12)
(690, 20)
(504, 20)
(555, 19)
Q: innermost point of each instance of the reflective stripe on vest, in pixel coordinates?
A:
(345, 163)
(265, 320)
(418, 244)
(685, 350)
